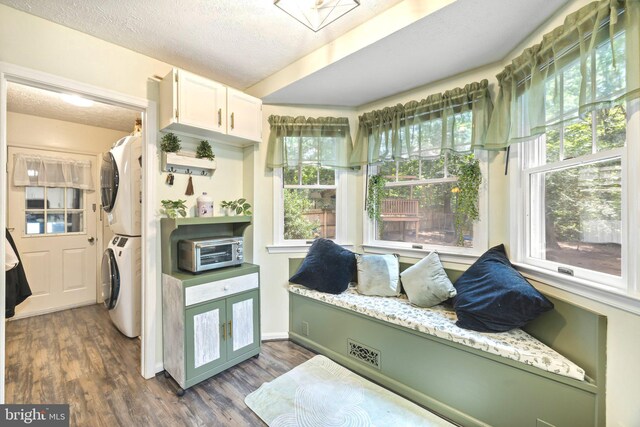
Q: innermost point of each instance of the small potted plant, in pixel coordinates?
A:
(237, 207)
(204, 151)
(170, 143)
(171, 208)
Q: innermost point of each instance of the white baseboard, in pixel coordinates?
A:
(159, 367)
(272, 336)
(52, 310)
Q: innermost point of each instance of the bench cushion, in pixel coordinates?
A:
(439, 321)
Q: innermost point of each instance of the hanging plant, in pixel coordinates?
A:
(375, 191)
(170, 143)
(467, 194)
(204, 151)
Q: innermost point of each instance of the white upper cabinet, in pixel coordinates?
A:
(194, 106)
(245, 115)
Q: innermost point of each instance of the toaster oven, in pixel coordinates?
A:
(196, 255)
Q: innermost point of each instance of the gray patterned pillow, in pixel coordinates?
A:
(378, 275)
(426, 283)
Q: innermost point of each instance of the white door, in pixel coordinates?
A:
(245, 115)
(54, 229)
(201, 102)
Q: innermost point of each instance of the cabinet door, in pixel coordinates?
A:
(201, 102)
(243, 323)
(205, 335)
(244, 115)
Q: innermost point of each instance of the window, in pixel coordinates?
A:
(572, 213)
(420, 149)
(53, 210)
(309, 157)
(309, 203)
(419, 204)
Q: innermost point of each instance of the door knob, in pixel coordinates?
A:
(91, 239)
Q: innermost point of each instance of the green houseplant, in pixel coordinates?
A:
(240, 206)
(204, 151)
(170, 143)
(172, 208)
(375, 192)
(466, 191)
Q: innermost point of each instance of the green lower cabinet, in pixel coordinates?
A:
(242, 321)
(210, 326)
(206, 338)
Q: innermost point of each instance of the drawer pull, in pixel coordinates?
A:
(226, 287)
(230, 328)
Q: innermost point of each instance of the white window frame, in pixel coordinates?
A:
(623, 292)
(447, 253)
(282, 245)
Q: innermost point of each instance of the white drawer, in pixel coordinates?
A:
(220, 288)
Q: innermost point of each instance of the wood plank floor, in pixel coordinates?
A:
(78, 357)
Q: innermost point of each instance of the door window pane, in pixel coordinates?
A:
(74, 198)
(55, 198)
(75, 223)
(580, 216)
(34, 223)
(34, 197)
(55, 223)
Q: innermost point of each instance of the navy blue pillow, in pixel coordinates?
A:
(494, 297)
(328, 267)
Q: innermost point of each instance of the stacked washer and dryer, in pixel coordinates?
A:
(121, 271)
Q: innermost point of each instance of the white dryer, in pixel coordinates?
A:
(122, 283)
(121, 186)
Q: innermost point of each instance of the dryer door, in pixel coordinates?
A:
(110, 279)
(109, 182)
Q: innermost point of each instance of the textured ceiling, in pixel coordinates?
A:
(236, 42)
(43, 103)
(465, 35)
(244, 42)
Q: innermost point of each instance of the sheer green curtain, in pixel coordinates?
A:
(323, 141)
(593, 59)
(455, 120)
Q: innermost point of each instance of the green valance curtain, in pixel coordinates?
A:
(323, 141)
(593, 59)
(455, 120)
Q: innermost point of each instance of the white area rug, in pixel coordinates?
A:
(322, 393)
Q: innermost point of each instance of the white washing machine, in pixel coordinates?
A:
(122, 283)
(121, 186)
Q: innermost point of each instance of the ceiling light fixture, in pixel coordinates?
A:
(316, 14)
(76, 100)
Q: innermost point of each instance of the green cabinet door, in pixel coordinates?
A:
(206, 332)
(243, 317)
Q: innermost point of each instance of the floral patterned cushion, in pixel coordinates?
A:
(440, 321)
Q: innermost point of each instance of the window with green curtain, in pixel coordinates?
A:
(455, 120)
(308, 156)
(589, 63)
(322, 141)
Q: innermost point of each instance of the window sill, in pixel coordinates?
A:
(453, 255)
(298, 248)
(611, 296)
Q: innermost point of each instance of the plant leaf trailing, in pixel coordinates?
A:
(375, 192)
(174, 207)
(468, 185)
(204, 151)
(240, 206)
(170, 143)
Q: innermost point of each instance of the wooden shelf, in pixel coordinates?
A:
(177, 163)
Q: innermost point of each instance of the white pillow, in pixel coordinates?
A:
(378, 275)
(426, 283)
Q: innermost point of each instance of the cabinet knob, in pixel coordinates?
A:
(226, 287)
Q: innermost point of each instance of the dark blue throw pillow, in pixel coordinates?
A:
(328, 267)
(494, 297)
